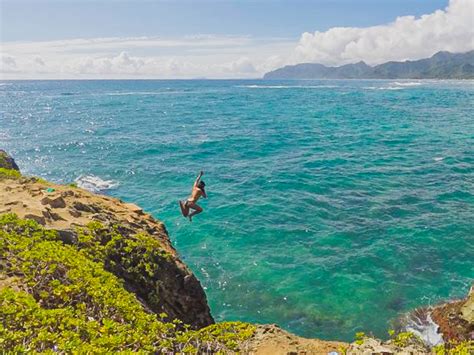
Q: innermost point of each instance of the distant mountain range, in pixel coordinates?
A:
(442, 65)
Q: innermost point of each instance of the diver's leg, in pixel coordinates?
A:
(197, 209)
(184, 208)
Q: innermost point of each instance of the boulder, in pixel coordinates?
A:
(7, 162)
(36, 215)
(54, 201)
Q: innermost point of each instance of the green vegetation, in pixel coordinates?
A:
(455, 348)
(359, 338)
(5, 161)
(9, 174)
(134, 257)
(62, 299)
(402, 339)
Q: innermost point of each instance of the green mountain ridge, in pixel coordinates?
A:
(442, 65)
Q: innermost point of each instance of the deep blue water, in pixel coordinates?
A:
(334, 206)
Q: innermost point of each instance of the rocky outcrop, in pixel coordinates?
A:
(272, 340)
(7, 162)
(369, 346)
(456, 319)
(170, 287)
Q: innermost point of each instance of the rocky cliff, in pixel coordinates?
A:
(75, 213)
(89, 273)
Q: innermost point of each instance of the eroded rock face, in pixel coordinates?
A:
(456, 318)
(7, 162)
(172, 289)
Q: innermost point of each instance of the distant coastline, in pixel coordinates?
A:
(442, 65)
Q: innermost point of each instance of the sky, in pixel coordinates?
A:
(111, 39)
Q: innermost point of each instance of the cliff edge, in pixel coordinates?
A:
(90, 221)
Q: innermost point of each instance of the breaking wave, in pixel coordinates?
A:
(421, 324)
(408, 83)
(287, 86)
(95, 183)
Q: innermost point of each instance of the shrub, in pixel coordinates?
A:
(9, 174)
(136, 258)
(455, 348)
(64, 301)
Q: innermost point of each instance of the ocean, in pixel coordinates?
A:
(334, 206)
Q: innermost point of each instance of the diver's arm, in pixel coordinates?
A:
(198, 179)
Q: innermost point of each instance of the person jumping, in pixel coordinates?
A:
(190, 203)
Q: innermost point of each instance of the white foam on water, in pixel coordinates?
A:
(408, 83)
(426, 329)
(138, 93)
(287, 86)
(383, 88)
(94, 183)
(438, 158)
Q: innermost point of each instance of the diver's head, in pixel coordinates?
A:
(202, 185)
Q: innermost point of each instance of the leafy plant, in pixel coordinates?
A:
(359, 338)
(63, 300)
(455, 348)
(9, 174)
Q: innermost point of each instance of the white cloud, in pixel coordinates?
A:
(38, 60)
(8, 64)
(145, 57)
(212, 56)
(405, 38)
(241, 65)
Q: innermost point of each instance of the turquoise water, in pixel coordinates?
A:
(334, 206)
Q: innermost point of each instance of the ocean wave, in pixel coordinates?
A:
(421, 324)
(408, 83)
(145, 93)
(383, 88)
(287, 86)
(94, 183)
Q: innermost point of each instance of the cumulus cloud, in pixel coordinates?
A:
(146, 57)
(407, 37)
(38, 60)
(8, 63)
(213, 56)
(241, 65)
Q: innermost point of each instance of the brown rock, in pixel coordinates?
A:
(455, 318)
(38, 217)
(134, 208)
(80, 206)
(68, 236)
(467, 310)
(56, 216)
(54, 201)
(75, 213)
(271, 340)
(7, 162)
